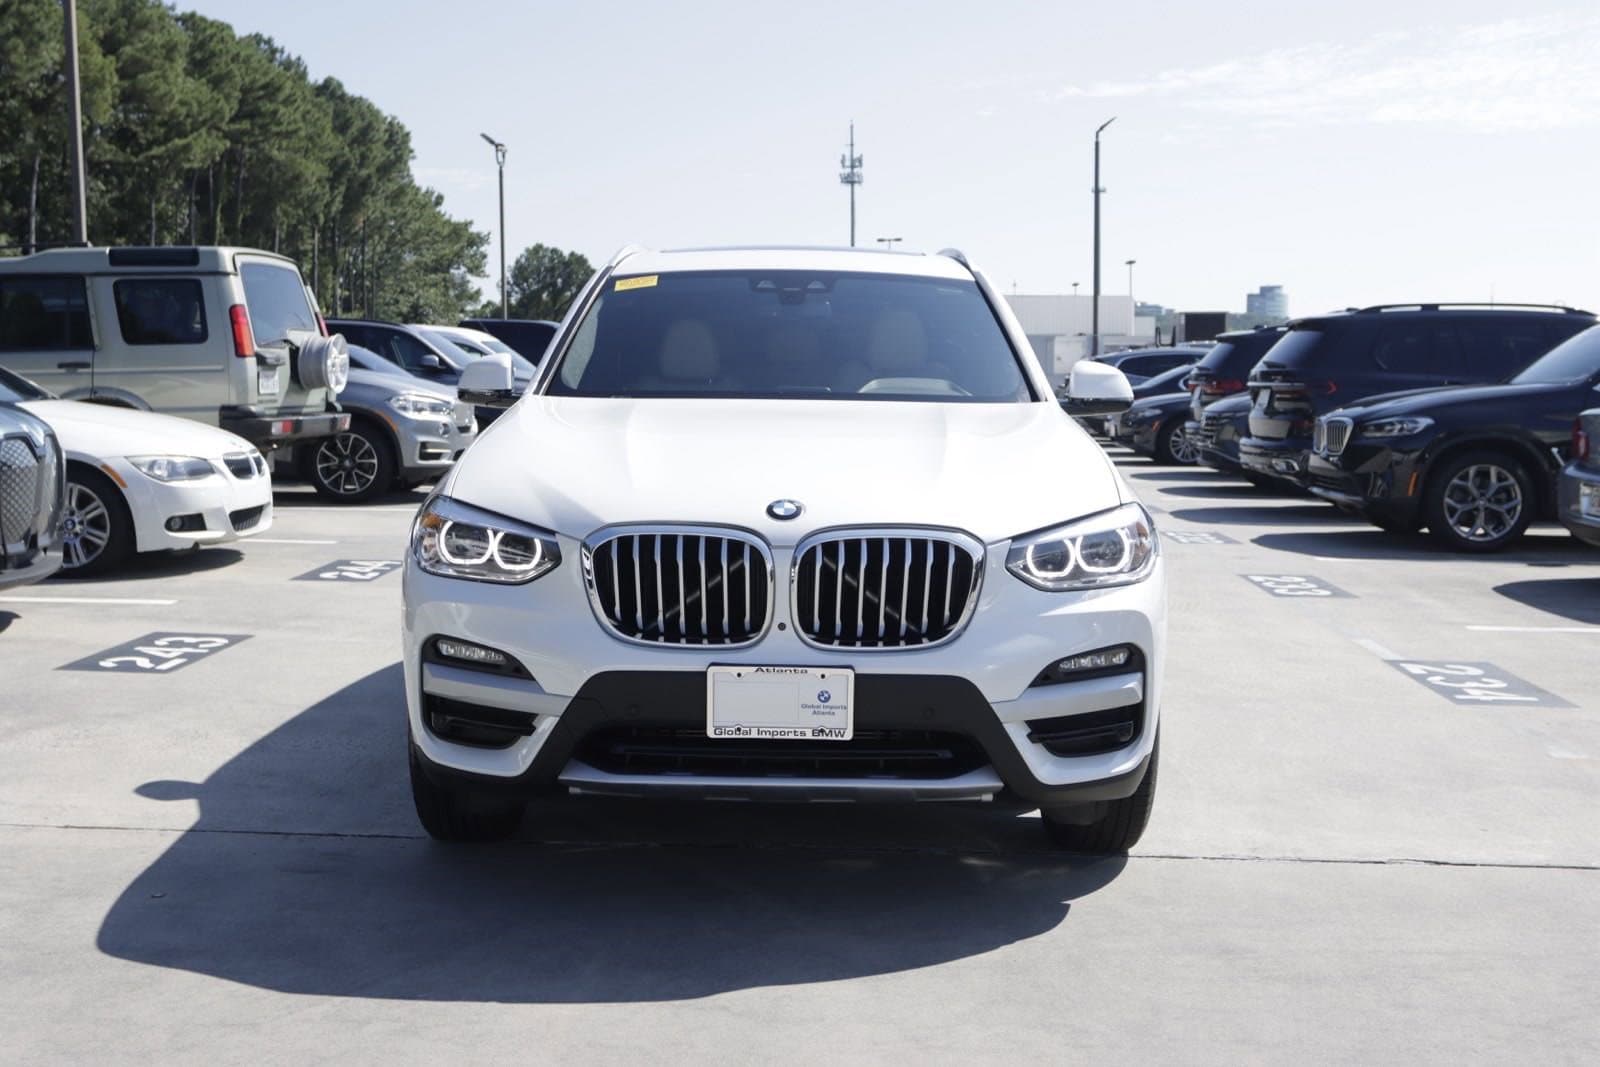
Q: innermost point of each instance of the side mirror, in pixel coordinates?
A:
(1097, 389)
(487, 382)
(430, 362)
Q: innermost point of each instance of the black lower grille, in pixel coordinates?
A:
(475, 724)
(914, 754)
(1088, 734)
(246, 518)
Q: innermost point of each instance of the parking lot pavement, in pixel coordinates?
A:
(205, 861)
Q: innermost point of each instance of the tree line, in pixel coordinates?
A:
(194, 134)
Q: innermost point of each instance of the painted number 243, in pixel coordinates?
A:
(172, 652)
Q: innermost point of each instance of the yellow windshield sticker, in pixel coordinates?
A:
(643, 281)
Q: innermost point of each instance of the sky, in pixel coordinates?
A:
(1355, 153)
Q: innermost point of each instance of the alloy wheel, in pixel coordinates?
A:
(1483, 503)
(347, 464)
(1183, 448)
(85, 527)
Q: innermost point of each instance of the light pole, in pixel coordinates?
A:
(888, 243)
(1075, 288)
(1129, 264)
(1094, 328)
(500, 161)
(80, 209)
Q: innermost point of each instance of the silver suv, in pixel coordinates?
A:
(224, 336)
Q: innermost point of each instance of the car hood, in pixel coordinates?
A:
(1429, 401)
(101, 430)
(575, 464)
(382, 383)
(1163, 402)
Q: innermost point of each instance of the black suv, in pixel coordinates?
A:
(1332, 360)
(1475, 464)
(1225, 369)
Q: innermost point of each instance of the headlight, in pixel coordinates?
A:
(455, 540)
(417, 406)
(1116, 547)
(1394, 427)
(172, 468)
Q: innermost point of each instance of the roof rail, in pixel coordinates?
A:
(1436, 305)
(957, 255)
(623, 253)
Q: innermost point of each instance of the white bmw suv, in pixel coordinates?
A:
(786, 524)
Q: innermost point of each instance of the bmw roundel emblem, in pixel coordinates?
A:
(784, 509)
(824, 697)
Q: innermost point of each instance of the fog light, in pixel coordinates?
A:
(186, 523)
(1095, 661)
(1116, 659)
(470, 653)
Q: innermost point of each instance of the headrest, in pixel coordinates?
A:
(689, 352)
(897, 342)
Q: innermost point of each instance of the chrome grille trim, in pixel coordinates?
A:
(870, 615)
(741, 580)
(1331, 435)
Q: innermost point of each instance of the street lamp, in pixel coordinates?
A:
(1075, 288)
(888, 242)
(1094, 328)
(1129, 264)
(500, 161)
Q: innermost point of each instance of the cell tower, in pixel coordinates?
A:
(851, 175)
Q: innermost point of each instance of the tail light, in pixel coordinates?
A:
(1580, 442)
(1224, 387)
(244, 338)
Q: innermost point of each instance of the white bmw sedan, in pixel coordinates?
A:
(141, 482)
(787, 524)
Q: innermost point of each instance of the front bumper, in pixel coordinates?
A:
(268, 432)
(429, 446)
(1584, 526)
(212, 510)
(978, 687)
(1371, 480)
(1286, 458)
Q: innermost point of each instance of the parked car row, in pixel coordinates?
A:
(149, 395)
(1468, 421)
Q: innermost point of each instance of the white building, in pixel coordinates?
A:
(1058, 327)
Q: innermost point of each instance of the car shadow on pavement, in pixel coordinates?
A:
(1269, 514)
(1577, 599)
(287, 499)
(306, 873)
(1555, 548)
(150, 566)
(6, 619)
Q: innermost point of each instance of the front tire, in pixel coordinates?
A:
(1105, 827)
(1174, 447)
(451, 811)
(351, 467)
(96, 526)
(1479, 502)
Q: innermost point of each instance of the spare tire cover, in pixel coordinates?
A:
(324, 363)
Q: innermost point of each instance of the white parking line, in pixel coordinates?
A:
(1537, 629)
(85, 600)
(287, 541)
(1381, 651)
(281, 512)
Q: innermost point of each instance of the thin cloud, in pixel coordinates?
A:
(1517, 73)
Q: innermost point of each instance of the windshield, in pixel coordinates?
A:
(14, 388)
(1574, 360)
(820, 334)
(370, 361)
(458, 355)
(520, 367)
(1167, 377)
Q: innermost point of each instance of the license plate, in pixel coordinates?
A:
(267, 381)
(781, 703)
(1589, 500)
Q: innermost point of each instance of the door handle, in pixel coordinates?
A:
(74, 365)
